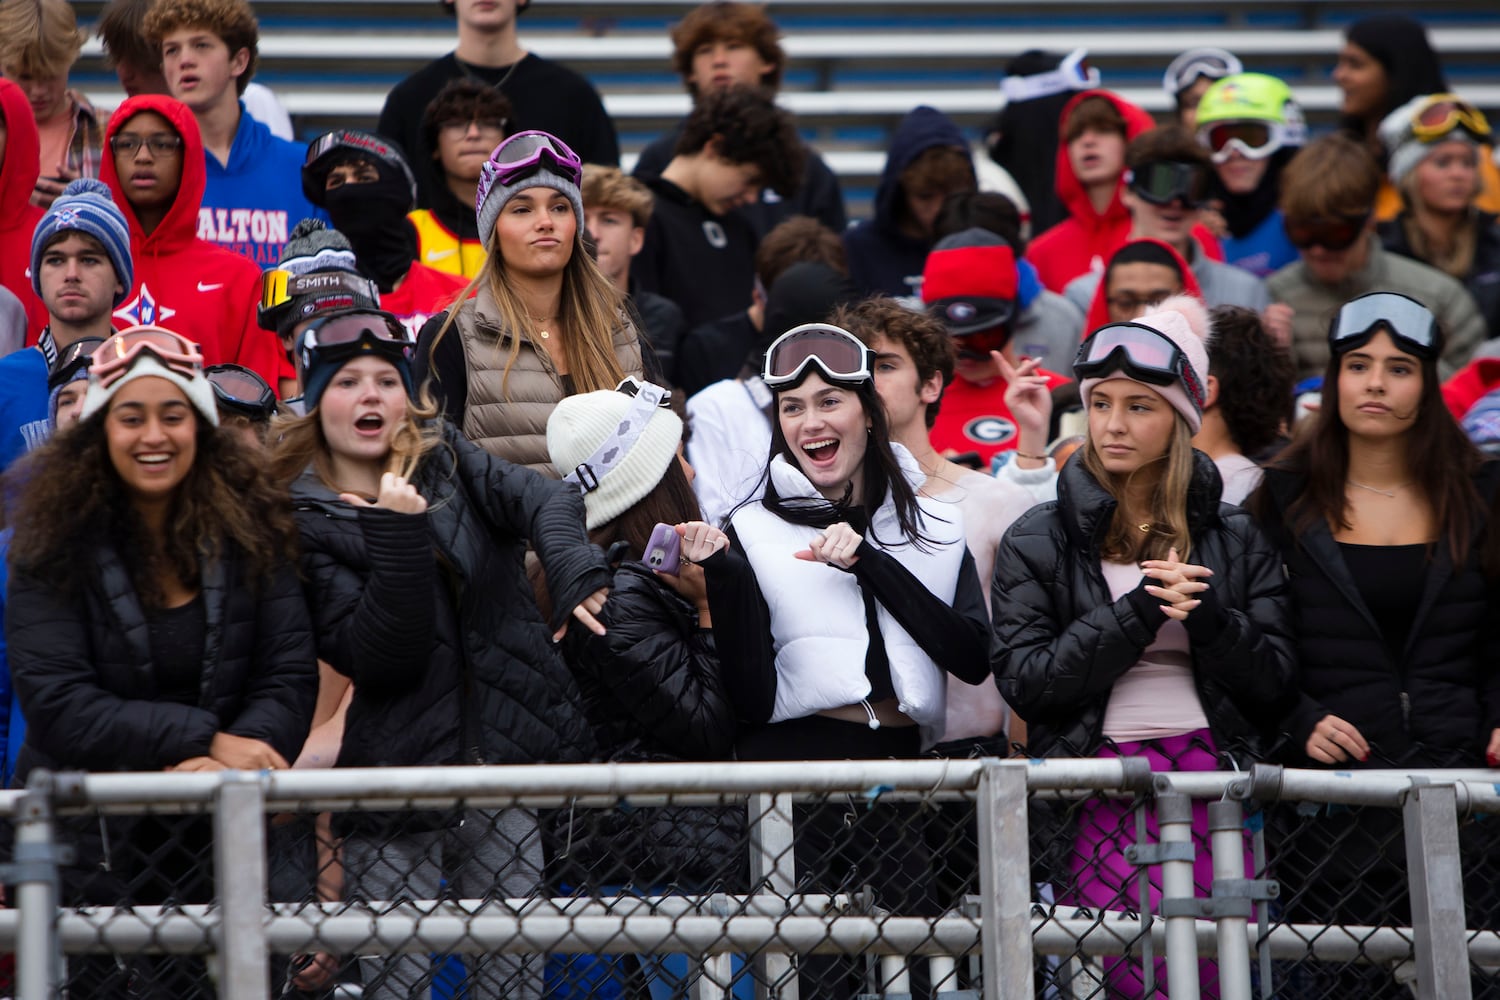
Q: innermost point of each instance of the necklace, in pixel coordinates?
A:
(541, 325)
(471, 73)
(1391, 493)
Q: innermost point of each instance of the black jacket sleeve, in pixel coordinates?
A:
(441, 364)
(70, 715)
(956, 637)
(281, 689)
(742, 633)
(520, 502)
(377, 627)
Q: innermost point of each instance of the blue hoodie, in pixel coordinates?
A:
(251, 204)
(882, 259)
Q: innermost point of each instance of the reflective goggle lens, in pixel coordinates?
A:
(1164, 182)
(114, 356)
(1408, 320)
(838, 353)
(1330, 234)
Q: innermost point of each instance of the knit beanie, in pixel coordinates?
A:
(1404, 151)
(492, 195)
(580, 425)
(1184, 321)
(313, 248)
(85, 206)
(196, 388)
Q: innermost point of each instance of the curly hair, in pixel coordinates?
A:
(1255, 378)
(727, 21)
(462, 101)
(793, 241)
(232, 20)
(747, 127)
(39, 38)
(66, 498)
(926, 339)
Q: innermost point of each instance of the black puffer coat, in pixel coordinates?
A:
(1483, 279)
(82, 670)
(1437, 706)
(1061, 643)
(432, 618)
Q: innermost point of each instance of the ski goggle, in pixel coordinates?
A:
(1141, 353)
(114, 356)
(278, 288)
(1073, 73)
(1338, 233)
(1162, 182)
(1198, 64)
(838, 355)
(1445, 112)
(524, 153)
(349, 331)
(1411, 324)
(1254, 140)
(72, 361)
(241, 391)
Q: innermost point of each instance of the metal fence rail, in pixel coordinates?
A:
(895, 879)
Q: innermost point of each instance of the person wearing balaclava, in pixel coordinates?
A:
(367, 188)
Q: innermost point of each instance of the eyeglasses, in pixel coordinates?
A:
(240, 390)
(367, 328)
(493, 126)
(526, 152)
(159, 144)
(1254, 140)
(1129, 302)
(837, 353)
(1141, 353)
(115, 355)
(72, 360)
(1196, 64)
(1338, 233)
(1162, 182)
(1411, 324)
(1443, 113)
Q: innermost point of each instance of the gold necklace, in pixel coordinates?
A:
(540, 325)
(1391, 493)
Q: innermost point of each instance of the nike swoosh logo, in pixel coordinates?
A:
(440, 254)
(209, 288)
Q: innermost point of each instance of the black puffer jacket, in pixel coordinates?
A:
(1483, 279)
(82, 670)
(651, 684)
(1061, 643)
(1437, 706)
(432, 618)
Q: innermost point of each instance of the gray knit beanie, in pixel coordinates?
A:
(492, 195)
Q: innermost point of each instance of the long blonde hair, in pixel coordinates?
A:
(1125, 541)
(592, 309)
(299, 442)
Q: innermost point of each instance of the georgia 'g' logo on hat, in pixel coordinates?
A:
(961, 312)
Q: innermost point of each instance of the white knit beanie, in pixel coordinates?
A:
(145, 365)
(1404, 151)
(580, 424)
(1184, 321)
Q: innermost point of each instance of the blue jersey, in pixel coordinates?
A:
(251, 203)
(23, 403)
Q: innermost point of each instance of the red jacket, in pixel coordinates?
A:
(1470, 384)
(188, 285)
(1099, 305)
(423, 293)
(18, 217)
(1087, 238)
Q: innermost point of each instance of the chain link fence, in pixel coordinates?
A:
(932, 879)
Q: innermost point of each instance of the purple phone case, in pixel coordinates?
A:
(664, 550)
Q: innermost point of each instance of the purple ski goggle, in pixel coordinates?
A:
(524, 153)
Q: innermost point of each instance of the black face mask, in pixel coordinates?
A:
(373, 217)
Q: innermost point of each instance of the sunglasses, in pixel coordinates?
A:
(836, 353)
(1338, 233)
(1163, 182)
(1443, 113)
(977, 346)
(1141, 353)
(115, 355)
(523, 154)
(352, 330)
(241, 391)
(1411, 324)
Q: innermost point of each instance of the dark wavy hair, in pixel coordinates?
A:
(881, 476)
(748, 127)
(66, 499)
(1255, 378)
(1440, 456)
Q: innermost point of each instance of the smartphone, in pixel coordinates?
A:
(664, 550)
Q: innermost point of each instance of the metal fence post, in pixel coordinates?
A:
(39, 963)
(240, 874)
(1231, 899)
(773, 864)
(1004, 880)
(1174, 820)
(1435, 872)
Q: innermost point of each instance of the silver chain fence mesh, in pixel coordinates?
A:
(935, 879)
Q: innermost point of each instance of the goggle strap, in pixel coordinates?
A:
(613, 449)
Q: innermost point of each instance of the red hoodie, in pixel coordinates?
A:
(1470, 384)
(1087, 238)
(197, 288)
(1099, 306)
(19, 170)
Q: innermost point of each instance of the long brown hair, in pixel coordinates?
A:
(1168, 526)
(592, 309)
(1440, 457)
(66, 499)
(300, 442)
(671, 501)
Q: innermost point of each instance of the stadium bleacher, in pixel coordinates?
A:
(855, 66)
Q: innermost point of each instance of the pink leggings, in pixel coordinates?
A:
(1104, 880)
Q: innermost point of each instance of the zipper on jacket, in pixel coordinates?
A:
(1405, 711)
